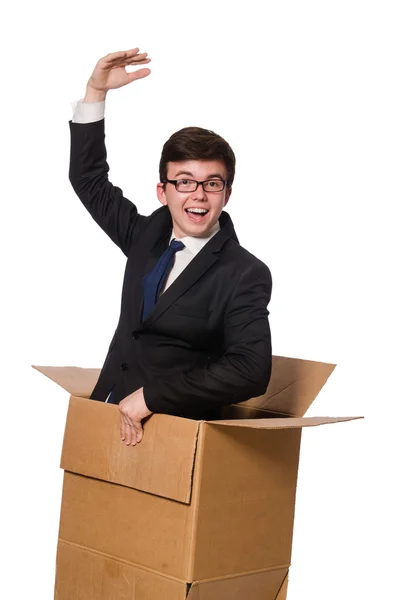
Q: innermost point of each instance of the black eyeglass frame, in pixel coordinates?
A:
(176, 181)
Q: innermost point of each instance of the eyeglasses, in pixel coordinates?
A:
(190, 185)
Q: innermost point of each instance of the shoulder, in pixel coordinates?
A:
(237, 257)
(155, 225)
(160, 218)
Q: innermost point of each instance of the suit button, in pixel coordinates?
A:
(124, 366)
(135, 335)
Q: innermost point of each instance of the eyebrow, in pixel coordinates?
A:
(212, 176)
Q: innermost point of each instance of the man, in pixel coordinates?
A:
(193, 333)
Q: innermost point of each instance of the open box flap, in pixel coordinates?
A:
(75, 380)
(281, 423)
(294, 384)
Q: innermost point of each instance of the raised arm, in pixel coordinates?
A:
(88, 172)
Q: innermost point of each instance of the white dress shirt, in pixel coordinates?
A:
(193, 245)
(89, 112)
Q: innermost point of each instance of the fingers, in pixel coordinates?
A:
(139, 59)
(130, 432)
(138, 74)
(131, 414)
(124, 58)
(123, 427)
(132, 437)
(139, 431)
(119, 55)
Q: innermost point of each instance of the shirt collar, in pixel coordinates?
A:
(195, 244)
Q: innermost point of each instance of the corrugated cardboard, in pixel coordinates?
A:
(282, 595)
(198, 510)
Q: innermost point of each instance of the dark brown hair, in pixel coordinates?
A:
(195, 143)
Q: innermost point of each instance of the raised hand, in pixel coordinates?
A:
(110, 72)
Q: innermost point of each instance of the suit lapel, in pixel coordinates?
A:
(151, 248)
(154, 255)
(203, 261)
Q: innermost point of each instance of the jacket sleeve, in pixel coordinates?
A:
(88, 174)
(243, 371)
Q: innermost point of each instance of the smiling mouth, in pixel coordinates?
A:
(196, 215)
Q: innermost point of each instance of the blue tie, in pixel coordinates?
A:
(154, 281)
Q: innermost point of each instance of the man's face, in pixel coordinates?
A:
(181, 203)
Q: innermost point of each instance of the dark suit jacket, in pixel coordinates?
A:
(207, 342)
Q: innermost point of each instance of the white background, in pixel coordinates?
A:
(305, 93)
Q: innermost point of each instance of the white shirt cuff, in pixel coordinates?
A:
(87, 112)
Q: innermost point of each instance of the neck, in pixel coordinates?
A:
(179, 234)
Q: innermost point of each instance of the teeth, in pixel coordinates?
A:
(199, 211)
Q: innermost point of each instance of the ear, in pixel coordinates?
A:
(161, 193)
(227, 195)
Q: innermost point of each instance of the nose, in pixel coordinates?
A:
(199, 194)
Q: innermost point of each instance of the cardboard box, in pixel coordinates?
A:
(198, 510)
